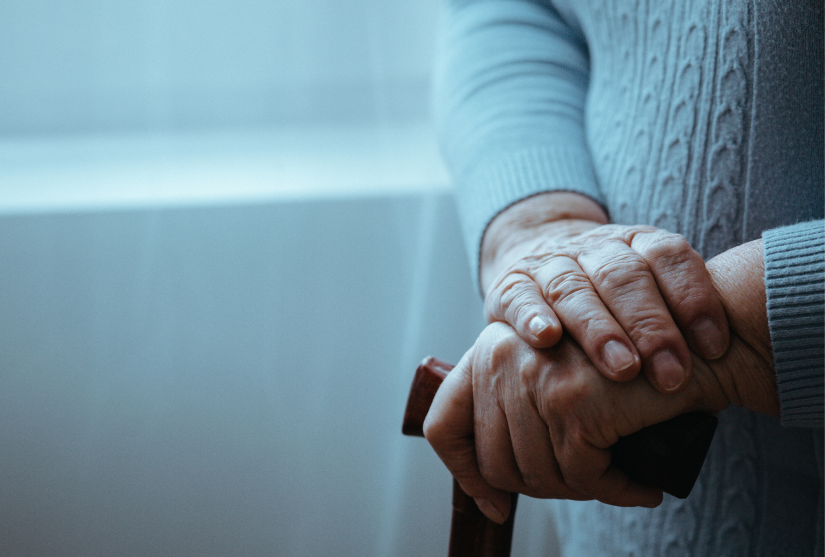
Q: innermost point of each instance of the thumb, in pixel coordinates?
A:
(449, 428)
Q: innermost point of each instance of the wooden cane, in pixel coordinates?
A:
(668, 455)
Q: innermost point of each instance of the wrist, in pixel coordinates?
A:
(738, 275)
(746, 373)
(520, 229)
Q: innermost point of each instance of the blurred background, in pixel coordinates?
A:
(226, 240)
(148, 65)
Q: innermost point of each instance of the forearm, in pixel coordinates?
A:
(511, 85)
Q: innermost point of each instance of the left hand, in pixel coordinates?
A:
(512, 418)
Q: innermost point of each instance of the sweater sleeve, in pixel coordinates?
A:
(511, 82)
(795, 287)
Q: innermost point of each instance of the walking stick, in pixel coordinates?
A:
(668, 455)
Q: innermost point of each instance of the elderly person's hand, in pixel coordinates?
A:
(510, 417)
(633, 297)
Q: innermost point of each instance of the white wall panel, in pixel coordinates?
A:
(225, 380)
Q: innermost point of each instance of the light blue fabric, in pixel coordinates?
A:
(703, 117)
(795, 281)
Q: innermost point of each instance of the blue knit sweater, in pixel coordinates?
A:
(703, 117)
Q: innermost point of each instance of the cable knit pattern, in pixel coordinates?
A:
(676, 114)
(737, 507)
(721, 209)
(669, 178)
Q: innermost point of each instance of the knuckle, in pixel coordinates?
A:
(510, 300)
(596, 327)
(565, 284)
(506, 290)
(689, 300)
(575, 394)
(495, 302)
(500, 356)
(520, 308)
(692, 302)
(613, 232)
(530, 370)
(621, 273)
(576, 478)
(494, 473)
(651, 329)
(670, 252)
(563, 394)
(433, 431)
(501, 348)
(535, 380)
(647, 323)
(536, 484)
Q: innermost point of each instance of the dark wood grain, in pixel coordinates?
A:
(428, 377)
(474, 535)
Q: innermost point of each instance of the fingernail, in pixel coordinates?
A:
(490, 511)
(708, 337)
(538, 325)
(617, 356)
(667, 370)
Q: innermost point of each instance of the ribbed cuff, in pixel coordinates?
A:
(795, 287)
(498, 184)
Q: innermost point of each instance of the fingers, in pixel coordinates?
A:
(489, 436)
(586, 413)
(518, 300)
(623, 279)
(535, 470)
(513, 445)
(449, 428)
(634, 298)
(569, 290)
(589, 468)
(508, 417)
(686, 287)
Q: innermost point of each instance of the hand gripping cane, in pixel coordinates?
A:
(668, 455)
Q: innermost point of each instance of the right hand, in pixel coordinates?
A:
(628, 295)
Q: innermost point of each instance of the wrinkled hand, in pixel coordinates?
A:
(628, 295)
(510, 417)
